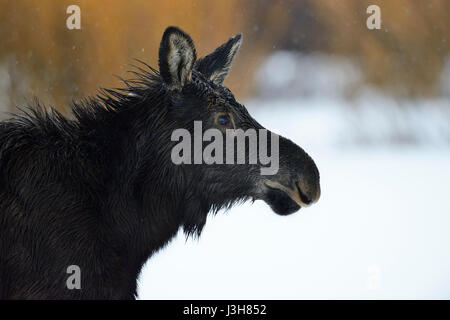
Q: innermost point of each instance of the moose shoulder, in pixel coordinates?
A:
(100, 191)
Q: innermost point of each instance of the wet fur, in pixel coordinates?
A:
(100, 191)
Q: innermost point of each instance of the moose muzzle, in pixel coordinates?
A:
(297, 184)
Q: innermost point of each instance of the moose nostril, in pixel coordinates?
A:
(308, 194)
(305, 199)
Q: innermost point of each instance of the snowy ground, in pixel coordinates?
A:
(380, 229)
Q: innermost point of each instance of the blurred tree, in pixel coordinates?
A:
(406, 56)
(43, 58)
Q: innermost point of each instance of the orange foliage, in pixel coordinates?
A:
(45, 59)
(58, 64)
(407, 55)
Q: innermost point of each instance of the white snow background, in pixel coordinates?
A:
(381, 227)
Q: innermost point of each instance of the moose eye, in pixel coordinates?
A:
(224, 120)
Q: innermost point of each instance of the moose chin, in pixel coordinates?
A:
(99, 193)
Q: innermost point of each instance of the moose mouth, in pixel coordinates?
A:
(284, 200)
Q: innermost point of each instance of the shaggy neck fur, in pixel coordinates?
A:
(110, 136)
(123, 122)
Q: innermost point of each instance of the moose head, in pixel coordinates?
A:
(200, 104)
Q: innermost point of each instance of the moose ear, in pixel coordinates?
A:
(176, 58)
(217, 64)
